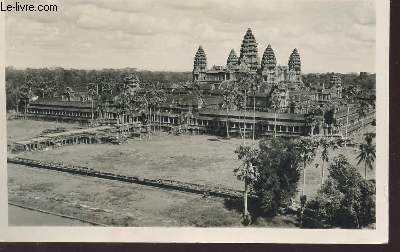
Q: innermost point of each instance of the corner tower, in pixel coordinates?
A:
(249, 52)
(200, 65)
(336, 85)
(295, 69)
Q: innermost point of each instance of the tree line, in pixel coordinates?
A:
(363, 81)
(48, 82)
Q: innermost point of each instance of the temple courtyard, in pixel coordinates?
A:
(201, 159)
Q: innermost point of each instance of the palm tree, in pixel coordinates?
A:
(239, 104)
(245, 81)
(276, 104)
(92, 92)
(105, 93)
(254, 86)
(306, 148)
(362, 113)
(350, 93)
(326, 145)
(367, 153)
(160, 97)
(24, 95)
(68, 92)
(41, 87)
(228, 89)
(246, 172)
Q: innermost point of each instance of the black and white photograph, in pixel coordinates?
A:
(204, 116)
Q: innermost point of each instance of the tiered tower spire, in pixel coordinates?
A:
(200, 65)
(232, 60)
(268, 61)
(336, 84)
(294, 61)
(335, 81)
(200, 59)
(249, 51)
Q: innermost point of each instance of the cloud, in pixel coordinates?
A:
(158, 34)
(364, 12)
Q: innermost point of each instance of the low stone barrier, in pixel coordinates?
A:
(160, 183)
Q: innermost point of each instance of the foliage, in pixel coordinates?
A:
(363, 81)
(278, 172)
(346, 200)
(248, 156)
(326, 145)
(306, 148)
(367, 153)
(53, 81)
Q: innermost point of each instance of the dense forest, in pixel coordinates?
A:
(56, 80)
(364, 81)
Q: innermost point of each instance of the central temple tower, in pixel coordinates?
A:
(249, 52)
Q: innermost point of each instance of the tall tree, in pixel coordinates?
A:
(276, 105)
(92, 91)
(345, 200)
(239, 100)
(278, 173)
(306, 148)
(325, 145)
(349, 94)
(246, 172)
(362, 111)
(24, 94)
(245, 80)
(228, 96)
(367, 154)
(68, 92)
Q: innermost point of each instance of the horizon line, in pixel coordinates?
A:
(153, 70)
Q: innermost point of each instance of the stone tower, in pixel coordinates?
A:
(295, 69)
(336, 85)
(232, 61)
(268, 65)
(249, 52)
(200, 65)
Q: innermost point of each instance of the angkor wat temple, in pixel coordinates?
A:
(291, 117)
(249, 60)
(286, 78)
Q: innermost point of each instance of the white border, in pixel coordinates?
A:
(239, 235)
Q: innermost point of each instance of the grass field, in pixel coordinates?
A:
(25, 129)
(120, 204)
(199, 159)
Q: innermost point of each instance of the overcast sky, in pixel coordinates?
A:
(331, 35)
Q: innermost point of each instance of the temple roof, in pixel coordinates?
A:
(58, 103)
(268, 59)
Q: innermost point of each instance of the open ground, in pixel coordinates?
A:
(199, 159)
